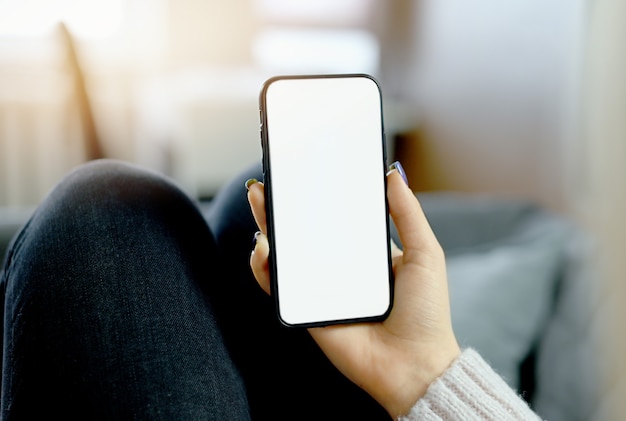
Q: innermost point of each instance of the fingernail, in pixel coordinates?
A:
(256, 238)
(398, 167)
(250, 182)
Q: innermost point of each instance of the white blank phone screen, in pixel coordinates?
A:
(327, 175)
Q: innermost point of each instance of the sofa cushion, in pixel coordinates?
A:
(504, 259)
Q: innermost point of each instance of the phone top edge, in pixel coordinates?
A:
(276, 78)
(268, 82)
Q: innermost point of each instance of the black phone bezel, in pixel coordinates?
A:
(267, 177)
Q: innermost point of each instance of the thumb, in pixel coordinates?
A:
(408, 216)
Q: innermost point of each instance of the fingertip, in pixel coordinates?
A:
(250, 182)
(398, 168)
(256, 199)
(254, 190)
(398, 191)
(259, 261)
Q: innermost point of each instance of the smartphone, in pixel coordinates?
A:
(324, 163)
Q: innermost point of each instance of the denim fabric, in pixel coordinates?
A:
(105, 313)
(287, 376)
(123, 302)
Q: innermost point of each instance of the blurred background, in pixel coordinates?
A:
(521, 99)
(483, 95)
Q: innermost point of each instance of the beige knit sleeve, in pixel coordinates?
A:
(470, 390)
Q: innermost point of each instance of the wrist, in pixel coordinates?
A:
(411, 384)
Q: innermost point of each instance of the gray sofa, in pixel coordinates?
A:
(519, 292)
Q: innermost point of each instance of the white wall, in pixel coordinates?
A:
(601, 202)
(496, 89)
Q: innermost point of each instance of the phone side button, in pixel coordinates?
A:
(264, 159)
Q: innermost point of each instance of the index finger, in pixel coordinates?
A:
(256, 198)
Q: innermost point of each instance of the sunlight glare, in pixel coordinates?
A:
(93, 19)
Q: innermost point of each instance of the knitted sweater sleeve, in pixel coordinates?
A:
(470, 390)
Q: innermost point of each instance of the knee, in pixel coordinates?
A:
(114, 195)
(109, 195)
(106, 223)
(114, 184)
(107, 209)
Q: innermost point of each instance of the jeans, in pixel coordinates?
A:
(123, 300)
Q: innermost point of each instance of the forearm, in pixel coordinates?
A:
(470, 390)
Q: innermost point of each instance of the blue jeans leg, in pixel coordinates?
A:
(286, 374)
(106, 310)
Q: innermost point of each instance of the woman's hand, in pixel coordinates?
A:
(394, 360)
